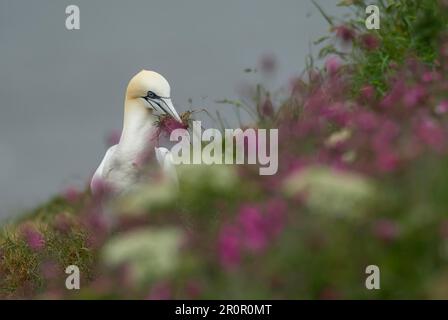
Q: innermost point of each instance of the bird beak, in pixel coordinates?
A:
(170, 109)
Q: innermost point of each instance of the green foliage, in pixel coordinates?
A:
(407, 29)
(357, 186)
(22, 271)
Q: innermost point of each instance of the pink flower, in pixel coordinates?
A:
(267, 108)
(442, 107)
(386, 230)
(414, 96)
(314, 76)
(336, 112)
(366, 120)
(383, 140)
(62, 223)
(345, 33)
(229, 247)
(370, 42)
(413, 65)
(251, 231)
(50, 270)
(392, 98)
(98, 226)
(72, 195)
(172, 124)
(430, 76)
(33, 238)
(432, 134)
(333, 64)
(367, 92)
(160, 291)
(253, 228)
(384, 137)
(193, 289)
(97, 222)
(427, 77)
(387, 161)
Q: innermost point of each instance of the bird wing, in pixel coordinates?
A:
(99, 174)
(165, 159)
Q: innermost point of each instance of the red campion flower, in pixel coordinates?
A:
(414, 96)
(160, 291)
(253, 227)
(345, 33)
(431, 134)
(386, 230)
(442, 107)
(370, 42)
(72, 195)
(332, 65)
(167, 124)
(229, 247)
(33, 238)
(267, 108)
(367, 92)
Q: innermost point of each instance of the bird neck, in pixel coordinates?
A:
(138, 127)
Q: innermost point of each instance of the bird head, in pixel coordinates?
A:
(152, 90)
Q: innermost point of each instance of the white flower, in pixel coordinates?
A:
(148, 252)
(338, 137)
(219, 177)
(330, 191)
(154, 194)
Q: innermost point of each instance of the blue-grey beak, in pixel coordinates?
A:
(163, 106)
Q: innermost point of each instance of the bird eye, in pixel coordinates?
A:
(151, 95)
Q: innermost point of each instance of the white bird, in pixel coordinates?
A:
(147, 95)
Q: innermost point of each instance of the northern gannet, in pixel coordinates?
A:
(147, 95)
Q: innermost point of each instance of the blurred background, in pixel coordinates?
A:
(362, 116)
(62, 91)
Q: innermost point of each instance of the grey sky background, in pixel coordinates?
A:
(62, 91)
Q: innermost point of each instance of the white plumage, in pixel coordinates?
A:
(147, 95)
